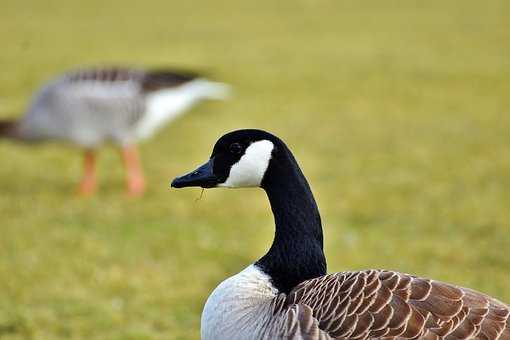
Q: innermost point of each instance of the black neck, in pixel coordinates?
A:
(297, 253)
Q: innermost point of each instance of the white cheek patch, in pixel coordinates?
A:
(251, 167)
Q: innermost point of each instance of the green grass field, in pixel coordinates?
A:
(397, 111)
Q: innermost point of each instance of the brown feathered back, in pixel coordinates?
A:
(377, 304)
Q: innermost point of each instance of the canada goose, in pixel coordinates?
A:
(287, 293)
(88, 107)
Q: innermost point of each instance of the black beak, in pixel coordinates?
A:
(201, 177)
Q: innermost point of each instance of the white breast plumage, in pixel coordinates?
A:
(238, 307)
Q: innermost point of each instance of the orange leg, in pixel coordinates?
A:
(88, 183)
(134, 172)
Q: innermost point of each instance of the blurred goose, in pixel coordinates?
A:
(91, 106)
(287, 294)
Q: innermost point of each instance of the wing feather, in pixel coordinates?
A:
(389, 305)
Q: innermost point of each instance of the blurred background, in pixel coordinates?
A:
(398, 113)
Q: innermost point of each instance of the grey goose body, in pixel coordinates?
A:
(121, 105)
(91, 106)
(287, 294)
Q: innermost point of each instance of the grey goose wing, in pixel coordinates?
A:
(162, 79)
(110, 96)
(148, 81)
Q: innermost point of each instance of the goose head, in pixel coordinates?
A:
(239, 159)
(255, 158)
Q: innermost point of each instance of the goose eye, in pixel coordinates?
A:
(235, 148)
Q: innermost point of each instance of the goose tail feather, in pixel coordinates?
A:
(214, 90)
